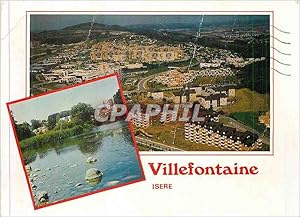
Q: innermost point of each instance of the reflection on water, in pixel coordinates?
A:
(60, 169)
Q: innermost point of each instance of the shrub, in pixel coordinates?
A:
(50, 137)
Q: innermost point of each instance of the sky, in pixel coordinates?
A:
(51, 22)
(41, 107)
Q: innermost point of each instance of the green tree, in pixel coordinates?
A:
(52, 121)
(35, 124)
(23, 131)
(13, 118)
(82, 113)
(117, 98)
(63, 125)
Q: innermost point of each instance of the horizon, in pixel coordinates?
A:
(39, 23)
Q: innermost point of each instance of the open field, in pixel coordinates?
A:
(215, 80)
(247, 100)
(250, 119)
(165, 134)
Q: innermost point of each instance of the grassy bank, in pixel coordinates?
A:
(52, 136)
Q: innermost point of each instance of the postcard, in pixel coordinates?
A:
(65, 151)
(199, 97)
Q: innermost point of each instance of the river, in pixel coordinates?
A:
(60, 169)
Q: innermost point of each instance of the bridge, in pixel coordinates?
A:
(155, 145)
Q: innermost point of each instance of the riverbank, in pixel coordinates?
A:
(53, 136)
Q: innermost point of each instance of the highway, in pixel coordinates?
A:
(141, 86)
(142, 83)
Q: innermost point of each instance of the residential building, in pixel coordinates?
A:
(218, 135)
(159, 95)
(213, 101)
(140, 120)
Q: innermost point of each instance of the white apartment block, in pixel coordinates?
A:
(214, 134)
(140, 120)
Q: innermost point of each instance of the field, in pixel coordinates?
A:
(215, 80)
(250, 119)
(165, 135)
(247, 100)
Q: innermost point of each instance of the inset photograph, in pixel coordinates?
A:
(71, 145)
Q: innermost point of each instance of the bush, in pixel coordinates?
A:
(50, 137)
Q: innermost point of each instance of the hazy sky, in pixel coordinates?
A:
(41, 107)
(50, 22)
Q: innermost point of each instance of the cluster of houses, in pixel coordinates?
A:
(70, 76)
(215, 72)
(122, 52)
(208, 97)
(241, 62)
(174, 78)
(70, 73)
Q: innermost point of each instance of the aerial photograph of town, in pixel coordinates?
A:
(216, 65)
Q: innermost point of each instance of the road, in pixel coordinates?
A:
(142, 83)
(142, 87)
(157, 145)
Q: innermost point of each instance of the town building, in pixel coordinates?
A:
(213, 101)
(140, 120)
(218, 135)
(228, 90)
(158, 95)
(168, 117)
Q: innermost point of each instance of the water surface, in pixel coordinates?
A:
(62, 166)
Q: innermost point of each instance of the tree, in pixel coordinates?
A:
(256, 76)
(82, 113)
(52, 121)
(35, 124)
(65, 113)
(13, 118)
(63, 124)
(23, 131)
(117, 98)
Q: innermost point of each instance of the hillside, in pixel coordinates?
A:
(96, 26)
(73, 34)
